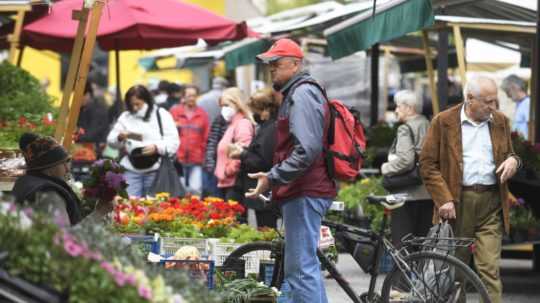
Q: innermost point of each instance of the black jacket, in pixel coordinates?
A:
(95, 122)
(257, 158)
(26, 187)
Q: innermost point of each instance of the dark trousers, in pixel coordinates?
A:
(415, 217)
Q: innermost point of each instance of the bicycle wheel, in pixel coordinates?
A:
(250, 256)
(433, 277)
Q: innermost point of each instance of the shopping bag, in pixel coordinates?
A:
(167, 180)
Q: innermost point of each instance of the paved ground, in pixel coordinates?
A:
(521, 285)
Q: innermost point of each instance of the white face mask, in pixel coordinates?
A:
(228, 112)
(161, 98)
(141, 112)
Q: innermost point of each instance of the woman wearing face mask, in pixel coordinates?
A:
(137, 133)
(239, 132)
(258, 155)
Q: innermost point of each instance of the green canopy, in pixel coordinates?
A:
(392, 19)
(246, 54)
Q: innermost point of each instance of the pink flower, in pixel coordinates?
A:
(28, 212)
(145, 293)
(130, 279)
(73, 249)
(120, 278)
(108, 267)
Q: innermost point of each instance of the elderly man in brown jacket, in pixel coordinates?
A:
(466, 159)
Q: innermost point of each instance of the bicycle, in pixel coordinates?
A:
(427, 275)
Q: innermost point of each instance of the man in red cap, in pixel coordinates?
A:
(299, 179)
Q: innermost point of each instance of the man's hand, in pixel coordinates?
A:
(447, 211)
(507, 169)
(149, 150)
(263, 184)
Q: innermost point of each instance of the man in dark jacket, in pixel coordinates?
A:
(299, 178)
(43, 186)
(93, 120)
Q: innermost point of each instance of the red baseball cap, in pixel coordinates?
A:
(282, 48)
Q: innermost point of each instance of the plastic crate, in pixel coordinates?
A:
(169, 245)
(198, 269)
(220, 251)
(146, 243)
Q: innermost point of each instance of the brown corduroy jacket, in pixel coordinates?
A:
(441, 159)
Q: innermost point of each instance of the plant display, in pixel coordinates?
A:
(522, 217)
(244, 290)
(355, 195)
(24, 106)
(379, 136)
(87, 263)
(189, 217)
(529, 153)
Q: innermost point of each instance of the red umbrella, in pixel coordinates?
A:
(134, 24)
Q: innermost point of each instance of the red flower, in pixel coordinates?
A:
(22, 120)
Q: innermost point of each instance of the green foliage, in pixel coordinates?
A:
(76, 259)
(243, 290)
(380, 136)
(244, 234)
(529, 153)
(23, 104)
(355, 194)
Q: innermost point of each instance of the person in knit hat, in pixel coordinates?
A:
(43, 186)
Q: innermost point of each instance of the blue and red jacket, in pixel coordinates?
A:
(301, 134)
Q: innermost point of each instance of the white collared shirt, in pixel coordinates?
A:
(478, 162)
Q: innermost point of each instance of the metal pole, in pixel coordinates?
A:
(442, 69)
(374, 117)
(117, 66)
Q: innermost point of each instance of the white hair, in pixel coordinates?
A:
(409, 98)
(475, 84)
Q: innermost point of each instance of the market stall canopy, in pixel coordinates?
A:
(234, 53)
(392, 19)
(357, 33)
(134, 24)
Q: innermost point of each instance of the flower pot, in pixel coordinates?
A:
(519, 235)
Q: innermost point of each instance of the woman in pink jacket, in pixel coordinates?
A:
(239, 132)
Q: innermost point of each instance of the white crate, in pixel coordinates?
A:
(169, 245)
(220, 251)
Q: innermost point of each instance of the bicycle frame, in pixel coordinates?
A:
(380, 242)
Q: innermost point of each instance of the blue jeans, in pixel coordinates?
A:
(192, 178)
(139, 184)
(302, 217)
(210, 188)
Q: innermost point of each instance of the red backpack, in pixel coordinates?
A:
(346, 140)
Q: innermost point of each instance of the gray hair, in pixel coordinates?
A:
(474, 85)
(514, 80)
(409, 98)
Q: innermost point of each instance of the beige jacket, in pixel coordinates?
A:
(402, 155)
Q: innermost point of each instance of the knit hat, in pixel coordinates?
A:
(41, 152)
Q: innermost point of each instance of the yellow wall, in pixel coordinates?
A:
(130, 71)
(44, 65)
